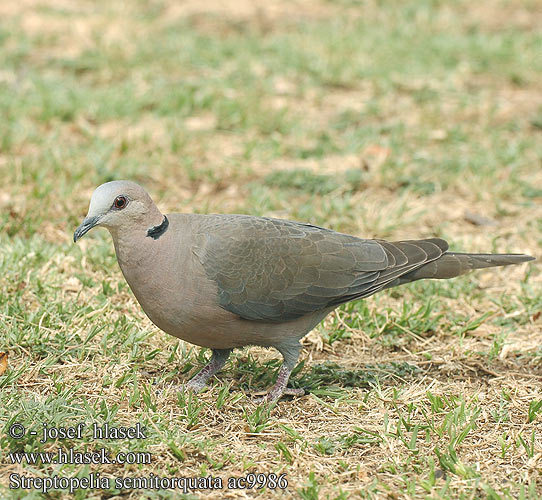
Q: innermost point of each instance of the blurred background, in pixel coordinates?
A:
(339, 112)
(380, 118)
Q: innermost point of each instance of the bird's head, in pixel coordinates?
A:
(119, 204)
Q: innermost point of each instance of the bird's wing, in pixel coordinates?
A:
(277, 270)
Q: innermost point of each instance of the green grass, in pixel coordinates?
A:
(388, 119)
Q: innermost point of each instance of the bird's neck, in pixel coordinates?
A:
(136, 242)
(155, 232)
(153, 219)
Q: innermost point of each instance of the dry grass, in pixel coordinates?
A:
(389, 119)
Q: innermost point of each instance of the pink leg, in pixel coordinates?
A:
(290, 353)
(280, 389)
(199, 381)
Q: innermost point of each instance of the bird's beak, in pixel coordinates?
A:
(87, 224)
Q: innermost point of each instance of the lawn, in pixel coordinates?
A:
(391, 119)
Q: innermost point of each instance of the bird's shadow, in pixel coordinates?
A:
(251, 374)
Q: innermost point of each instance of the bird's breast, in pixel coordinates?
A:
(171, 287)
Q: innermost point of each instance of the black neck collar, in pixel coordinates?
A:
(156, 231)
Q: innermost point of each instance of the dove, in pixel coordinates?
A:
(225, 281)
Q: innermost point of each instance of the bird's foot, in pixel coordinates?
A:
(199, 381)
(193, 385)
(276, 393)
(280, 389)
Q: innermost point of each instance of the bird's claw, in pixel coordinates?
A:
(273, 396)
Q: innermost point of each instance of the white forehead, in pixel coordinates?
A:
(104, 195)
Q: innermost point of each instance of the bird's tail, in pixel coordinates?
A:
(452, 264)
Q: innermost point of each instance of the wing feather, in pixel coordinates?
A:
(276, 270)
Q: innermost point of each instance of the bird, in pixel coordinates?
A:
(226, 281)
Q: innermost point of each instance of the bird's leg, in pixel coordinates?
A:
(290, 353)
(218, 360)
(280, 389)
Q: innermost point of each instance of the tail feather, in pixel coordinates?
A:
(452, 264)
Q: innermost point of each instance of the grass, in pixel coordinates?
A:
(381, 119)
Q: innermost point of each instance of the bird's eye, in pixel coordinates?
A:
(120, 202)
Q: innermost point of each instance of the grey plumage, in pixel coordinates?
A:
(226, 281)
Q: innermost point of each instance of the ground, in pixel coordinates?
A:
(391, 119)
